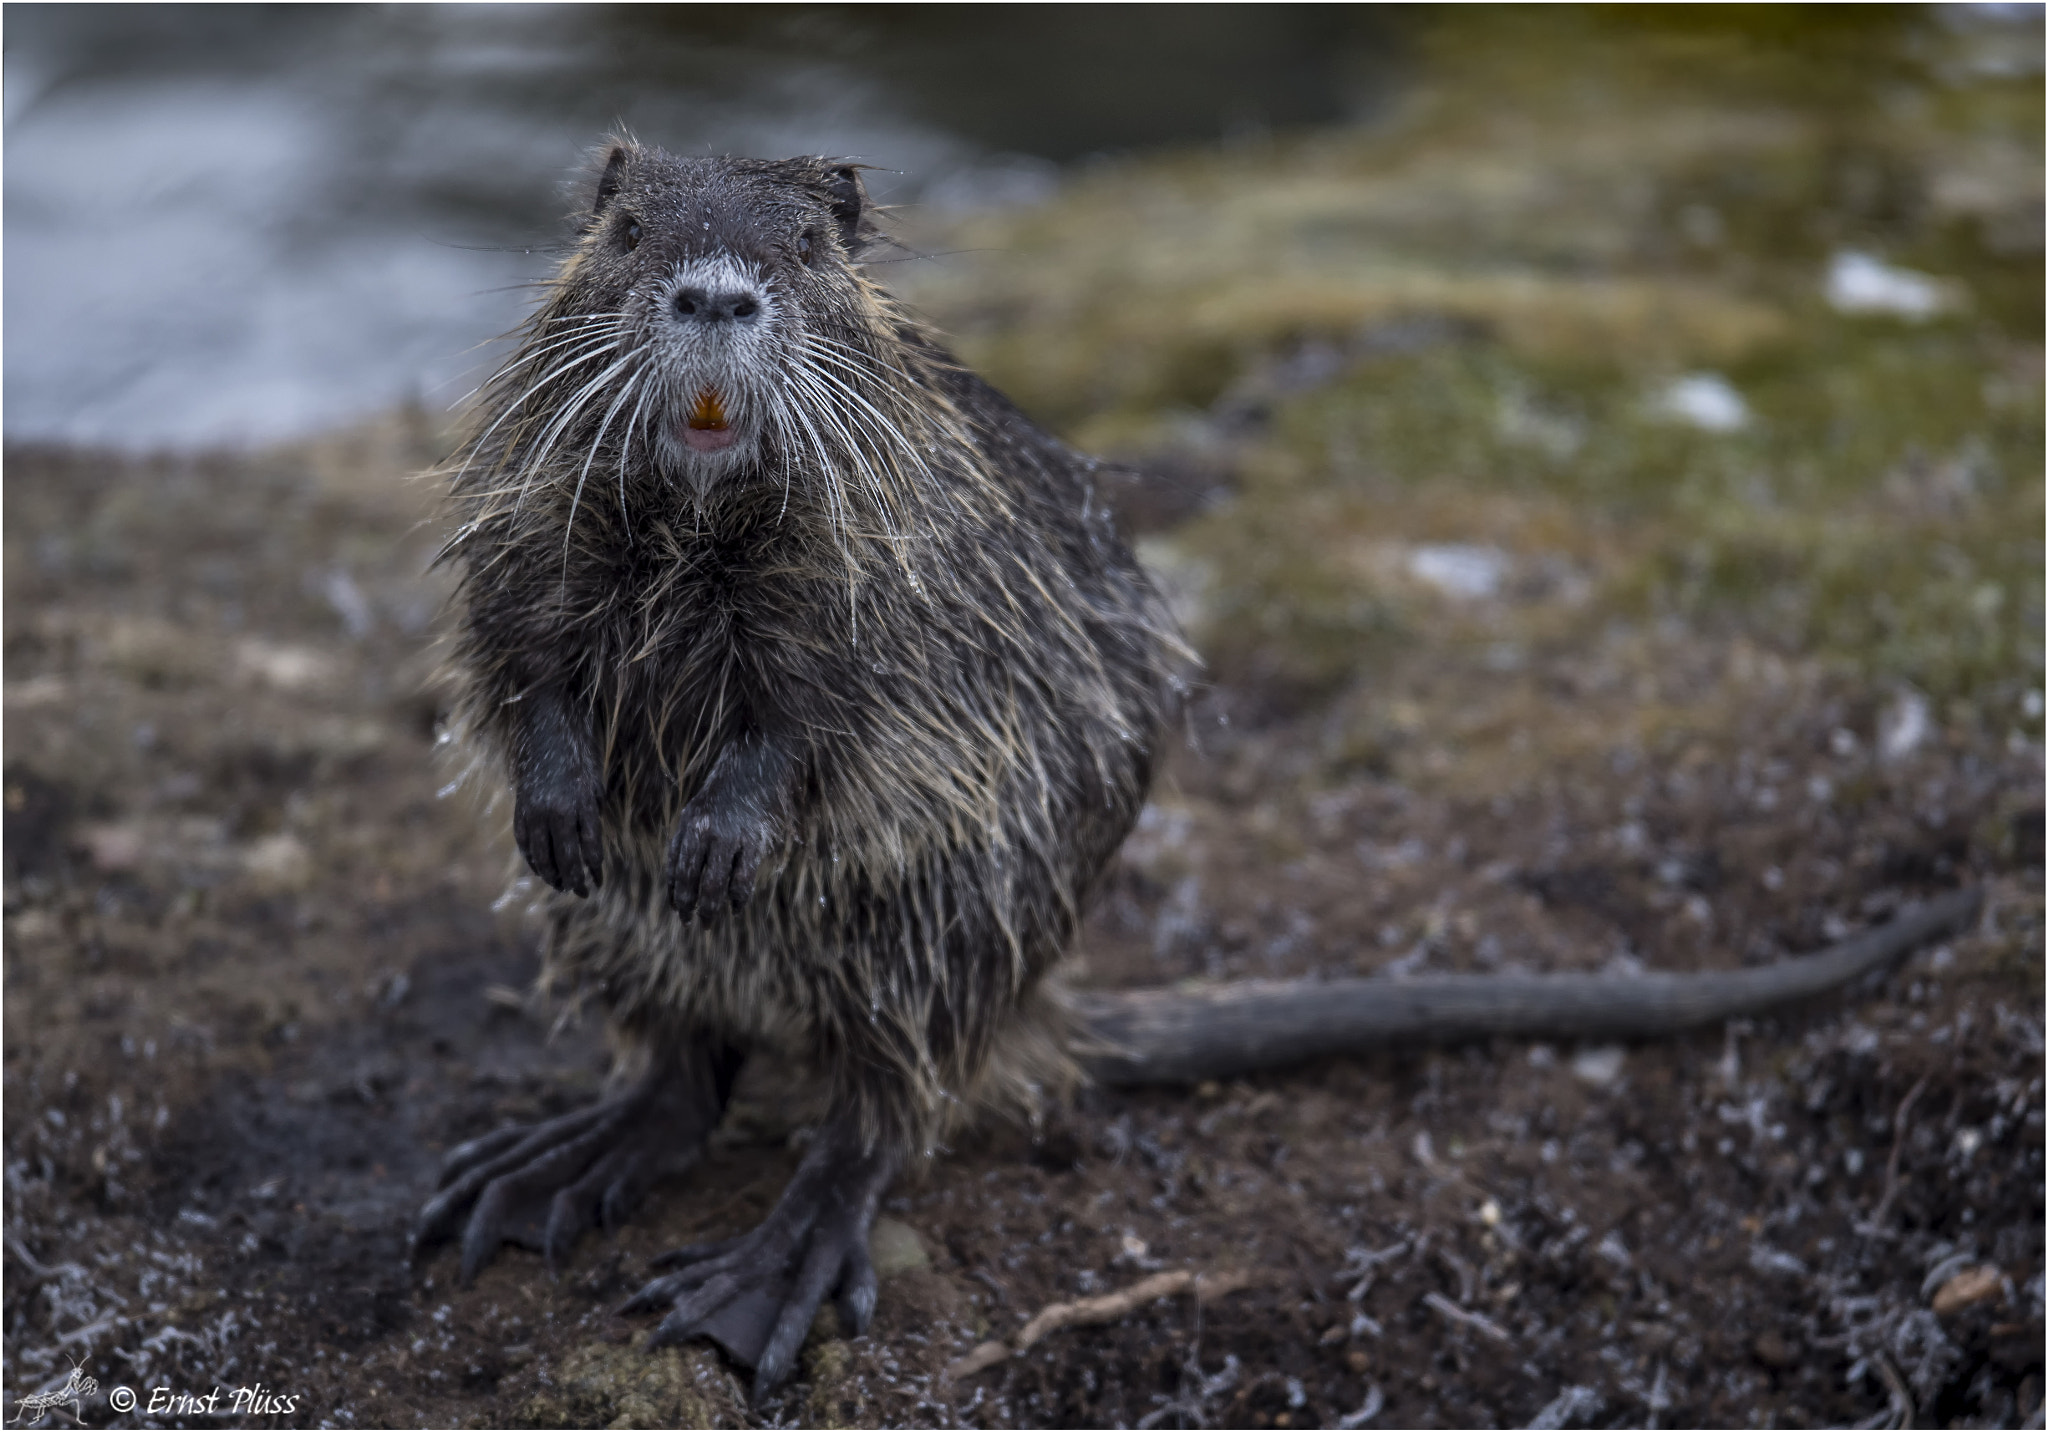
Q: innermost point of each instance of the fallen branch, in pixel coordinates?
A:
(1105, 1309)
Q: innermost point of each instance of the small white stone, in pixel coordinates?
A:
(1600, 1064)
(1766, 1259)
(280, 859)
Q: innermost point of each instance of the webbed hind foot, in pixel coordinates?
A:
(756, 1295)
(541, 1185)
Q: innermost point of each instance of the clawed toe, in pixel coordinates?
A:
(543, 1185)
(693, 1253)
(603, 1197)
(464, 1157)
(757, 1295)
(857, 1291)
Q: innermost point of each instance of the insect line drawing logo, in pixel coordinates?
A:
(75, 1390)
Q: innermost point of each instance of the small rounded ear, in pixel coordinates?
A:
(849, 199)
(608, 180)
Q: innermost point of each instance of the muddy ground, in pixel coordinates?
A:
(1584, 588)
(255, 985)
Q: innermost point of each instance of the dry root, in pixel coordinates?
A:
(1105, 1309)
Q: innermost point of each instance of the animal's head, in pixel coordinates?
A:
(710, 310)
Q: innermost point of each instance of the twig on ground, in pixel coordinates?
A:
(90, 1330)
(1478, 1322)
(1365, 1263)
(1374, 1401)
(1190, 1402)
(1875, 1223)
(27, 1259)
(38, 1272)
(1105, 1309)
(1901, 1414)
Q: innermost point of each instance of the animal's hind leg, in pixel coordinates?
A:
(541, 1185)
(756, 1295)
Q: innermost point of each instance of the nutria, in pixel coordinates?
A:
(827, 690)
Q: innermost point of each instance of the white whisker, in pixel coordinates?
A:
(569, 527)
(578, 360)
(802, 380)
(626, 449)
(572, 409)
(891, 448)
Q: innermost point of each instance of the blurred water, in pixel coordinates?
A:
(228, 224)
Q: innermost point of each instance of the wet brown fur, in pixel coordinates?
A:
(923, 586)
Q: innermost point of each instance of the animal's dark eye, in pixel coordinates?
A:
(804, 246)
(632, 234)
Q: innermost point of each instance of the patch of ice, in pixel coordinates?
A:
(1706, 401)
(1460, 569)
(1860, 283)
(1905, 725)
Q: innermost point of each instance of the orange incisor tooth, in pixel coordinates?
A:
(708, 411)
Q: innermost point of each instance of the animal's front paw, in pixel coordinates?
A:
(716, 856)
(556, 825)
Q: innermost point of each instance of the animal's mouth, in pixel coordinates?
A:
(707, 429)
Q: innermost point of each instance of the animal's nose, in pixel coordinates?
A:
(699, 304)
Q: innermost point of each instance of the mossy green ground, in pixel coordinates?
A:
(1570, 214)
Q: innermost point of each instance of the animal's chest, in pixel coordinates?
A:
(736, 627)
